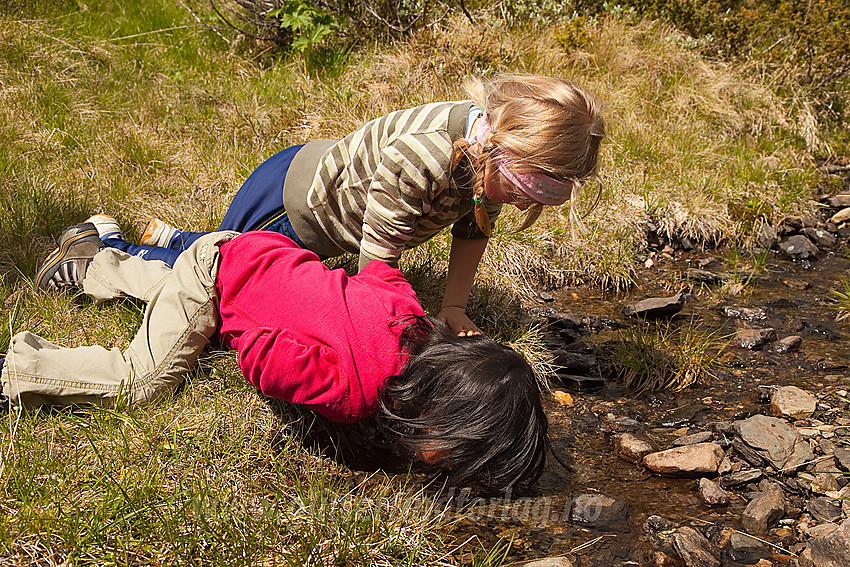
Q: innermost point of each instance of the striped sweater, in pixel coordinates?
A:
(385, 187)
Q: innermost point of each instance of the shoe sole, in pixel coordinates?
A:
(56, 256)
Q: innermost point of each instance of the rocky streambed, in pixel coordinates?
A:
(747, 467)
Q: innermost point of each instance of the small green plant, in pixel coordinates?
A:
(649, 357)
(308, 24)
(744, 268)
(842, 299)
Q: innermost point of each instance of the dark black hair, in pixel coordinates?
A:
(471, 398)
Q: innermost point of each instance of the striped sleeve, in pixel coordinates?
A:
(412, 170)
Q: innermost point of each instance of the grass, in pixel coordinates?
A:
(654, 356)
(136, 109)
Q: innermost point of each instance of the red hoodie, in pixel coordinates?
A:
(308, 334)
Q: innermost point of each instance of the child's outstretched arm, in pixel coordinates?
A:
(463, 263)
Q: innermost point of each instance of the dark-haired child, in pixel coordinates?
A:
(344, 346)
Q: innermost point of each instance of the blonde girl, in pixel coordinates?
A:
(526, 140)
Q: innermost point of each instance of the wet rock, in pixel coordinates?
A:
(545, 297)
(693, 438)
(793, 402)
(752, 339)
(578, 383)
(699, 459)
(839, 201)
(824, 509)
(656, 307)
(798, 247)
(575, 362)
(788, 344)
(547, 562)
(775, 440)
(766, 236)
(746, 549)
(660, 530)
(712, 494)
(559, 320)
(620, 424)
(764, 510)
(746, 313)
(841, 216)
(796, 283)
(694, 549)
(832, 550)
(704, 276)
(685, 415)
(821, 238)
(632, 448)
(597, 510)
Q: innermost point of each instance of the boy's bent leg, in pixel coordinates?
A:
(179, 321)
(114, 273)
(180, 318)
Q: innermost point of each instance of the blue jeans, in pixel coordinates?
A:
(258, 205)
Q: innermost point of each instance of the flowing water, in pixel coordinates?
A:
(797, 299)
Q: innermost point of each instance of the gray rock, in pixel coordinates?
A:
(792, 401)
(798, 247)
(754, 338)
(745, 313)
(839, 201)
(788, 344)
(832, 550)
(824, 509)
(749, 339)
(746, 549)
(656, 307)
(693, 438)
(825, 483)
(620, 424)
(688, 460)
(842, 455)
(821, 238)
(776, 441)
(631, 447)
(741, 477)
(660, 530)
(764, 510)
(766, 236)
(712, 494)
(597, 510)
(694, 549)
(704, 276)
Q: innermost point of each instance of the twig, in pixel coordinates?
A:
(773, 545)
(587, 544)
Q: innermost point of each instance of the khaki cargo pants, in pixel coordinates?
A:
(180, 317)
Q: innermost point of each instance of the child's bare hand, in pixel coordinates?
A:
(456, 319)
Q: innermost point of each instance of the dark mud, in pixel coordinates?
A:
(796, 298)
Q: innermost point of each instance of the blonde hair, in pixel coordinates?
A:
(551, 126)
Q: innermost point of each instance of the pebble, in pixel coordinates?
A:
(776, 440)
(712, 494)
(597, 510)
(764, 510)
(688, 460)
(694, 549)
(792, 401)
(798, 247)
(656, 307)
(632, 448)
(788, 344)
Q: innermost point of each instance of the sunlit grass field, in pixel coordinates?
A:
(138, 109)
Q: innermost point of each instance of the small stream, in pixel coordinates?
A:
(797, 299)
